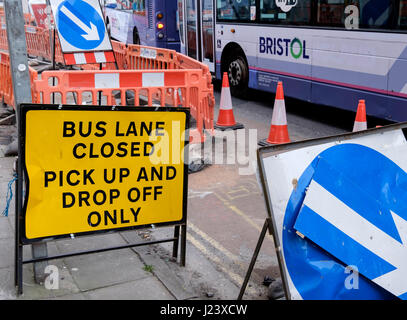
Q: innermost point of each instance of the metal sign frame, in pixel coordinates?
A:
(82, 50)
(21, 204)
(270, 223)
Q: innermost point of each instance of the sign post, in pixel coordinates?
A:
(82, 31)
(95, 169)
(22, 94)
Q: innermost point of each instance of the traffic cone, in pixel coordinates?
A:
(360, 121)
(278, 129)
(226, 119)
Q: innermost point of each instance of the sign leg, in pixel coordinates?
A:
(183, 244)
(18, 247)
(176, 243)
(266, 227)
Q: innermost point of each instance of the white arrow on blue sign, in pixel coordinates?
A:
(80, 25)
(361, 222)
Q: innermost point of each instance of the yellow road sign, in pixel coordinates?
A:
(92, 168)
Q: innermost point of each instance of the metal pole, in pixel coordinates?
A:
(183, 244)
(266, 227)
(22, 94)
(176, 243)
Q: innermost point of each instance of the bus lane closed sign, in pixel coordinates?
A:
(98, 169)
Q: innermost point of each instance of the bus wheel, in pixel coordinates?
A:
(238, 73)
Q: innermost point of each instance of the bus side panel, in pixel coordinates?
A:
(284, 55)
(398, 85)
(347, 98)
(171, 34)
(348, 67)
(270, 57)
(141, 24)
(353, 63)
(121, 25)
(238, 35)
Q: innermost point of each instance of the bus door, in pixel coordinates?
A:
(181, 25)
(199, 30)
(191, 29)
(207, 32)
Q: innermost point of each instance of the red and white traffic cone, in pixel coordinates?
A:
(226, 119)
(360, 121)
(278, 130)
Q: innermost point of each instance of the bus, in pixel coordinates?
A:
(145, 22)
(327, 52)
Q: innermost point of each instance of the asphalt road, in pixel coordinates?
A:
(226, 208)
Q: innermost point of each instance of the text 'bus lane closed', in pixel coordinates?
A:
(92, 171)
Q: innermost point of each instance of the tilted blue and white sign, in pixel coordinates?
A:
(337, 205)
(358, 214)
(80, 25)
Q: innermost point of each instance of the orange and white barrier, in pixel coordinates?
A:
(360, 121)
(173, 79)
(35, 41)
(6, 88)
(3, 37)
(150, 87)
(278, 130)
(88, 57)
(150, 58)
(6, 85)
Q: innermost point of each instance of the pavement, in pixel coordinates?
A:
(142, 273)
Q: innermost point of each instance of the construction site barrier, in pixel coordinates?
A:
(6, 84)
(179, 88)
(184, 81)
(150, 58)
(6, 88)
(35, 41)
(3, 37)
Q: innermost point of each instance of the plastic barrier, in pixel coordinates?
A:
(28, 19)
(6, 89)
(150, 58)
(3, 37)
(47, 42)
(6, 85)
(120, 52)
(143, 57)
(35, 41)
(199, 98)
(184, 88)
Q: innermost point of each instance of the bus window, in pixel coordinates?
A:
(286, 12)
(402, 20)
(207, 31)
(191, 27)
(331, 12)
(234, 9)
(372, 13)
(180, 21)
(139, 5)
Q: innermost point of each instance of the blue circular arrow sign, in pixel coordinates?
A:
(80, 24)
(317, 274)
